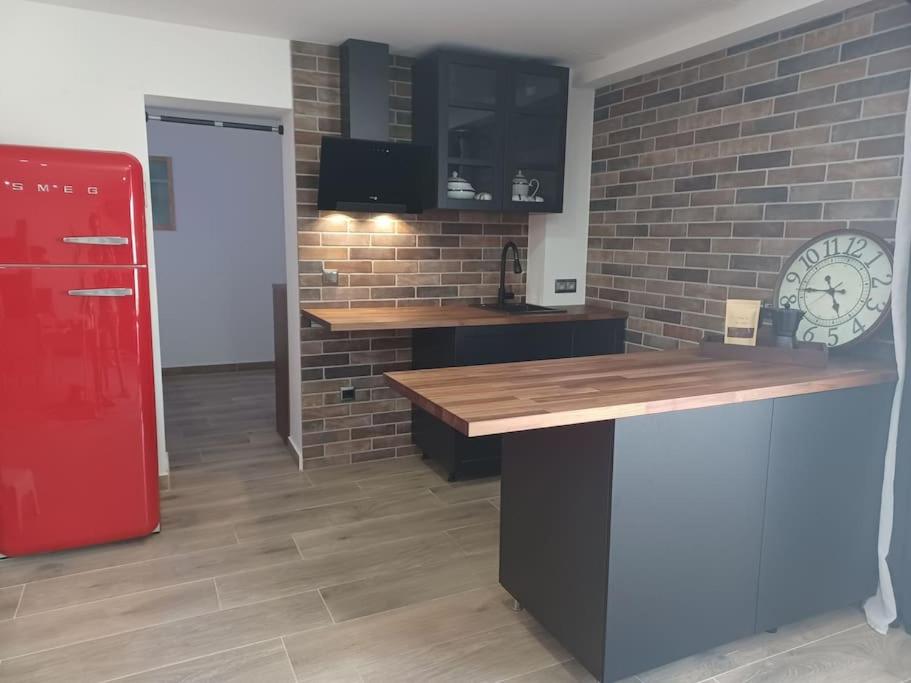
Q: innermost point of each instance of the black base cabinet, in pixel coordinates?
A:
(463, 346)
(645, 540)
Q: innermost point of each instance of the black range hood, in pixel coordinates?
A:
(362, 170)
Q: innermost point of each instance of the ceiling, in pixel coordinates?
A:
(566, 31)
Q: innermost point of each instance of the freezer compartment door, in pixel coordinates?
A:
(70, 207)
(78, 457)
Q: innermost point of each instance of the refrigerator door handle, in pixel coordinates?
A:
(112, 291)
(104, 240)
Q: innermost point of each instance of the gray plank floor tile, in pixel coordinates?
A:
(264, 662)
(165, 644)
(105, 617)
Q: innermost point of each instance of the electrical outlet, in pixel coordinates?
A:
(347, 393)
(565, 286)
(330, 277)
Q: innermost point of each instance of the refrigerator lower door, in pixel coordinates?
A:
(78, 458)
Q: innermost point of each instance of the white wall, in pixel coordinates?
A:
(558, 242)
(73, 78)
(216, 270)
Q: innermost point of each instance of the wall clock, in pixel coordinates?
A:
(842, 281)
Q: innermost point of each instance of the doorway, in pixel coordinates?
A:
(217, 198)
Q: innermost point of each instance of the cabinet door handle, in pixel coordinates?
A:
(112, 291)
(102, 240)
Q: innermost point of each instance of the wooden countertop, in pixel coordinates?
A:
(415, 317)
(513, 397)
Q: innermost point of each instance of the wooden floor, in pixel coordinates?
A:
(377, 571)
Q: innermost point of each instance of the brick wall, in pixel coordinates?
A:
(439, 257)
(706, 175)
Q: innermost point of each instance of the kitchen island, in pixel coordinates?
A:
(657, 505)
(460, 335)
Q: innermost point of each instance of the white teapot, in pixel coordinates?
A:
(523, 189)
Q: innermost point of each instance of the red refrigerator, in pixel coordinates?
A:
(78, 455)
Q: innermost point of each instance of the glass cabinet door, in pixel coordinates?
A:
(472, 111)
(536, 138)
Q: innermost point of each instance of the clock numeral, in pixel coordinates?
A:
(873, 260)
(859, 249)
(833, 336)
(831, 246)
(792, 277)
(858, 327)
(790, 300)
(876, 282)
(809, 335)
(879, 308)
(809, 258)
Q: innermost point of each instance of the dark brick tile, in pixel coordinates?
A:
(768, 264)
(875, 85)
(635, 175)
(878, 42)
(805, 100)
(700, 88)
(661, 98)
(871, 168)
(893, 17)
(797, 174)
(673, 171)
(734, 278)
(688, 274)
(641, 89)
(830, 114)
(762, 195)
(808, 60)
(654, 216)
(620, 190)
(605, 99)
(770, 124)
(890, 61)
(741, 212)
(759, 229)
(742, 179)
(881, 147)
(663, 201)
(674, 140)
(708, 166)
(663, 315)
(712, 197)
(821, 192)
(603, 205)
(691, 244)
(719, 67)
(722, 99)
(869, 128)
(624, 135)
(825, 153)
(622, 163)
(626, 107)
(793, 212)
(764, 160)
(754, 43)
(708, 229)
(661, 128)
(881, 208)
(706, 182)
(812, 25)
(779, 86)
(776, 51)
(639, 118)
(726, 132)
(756, 74)
(599, 167)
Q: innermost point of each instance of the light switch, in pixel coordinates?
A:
(330, 277)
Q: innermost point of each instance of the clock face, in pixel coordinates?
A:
(842, 282)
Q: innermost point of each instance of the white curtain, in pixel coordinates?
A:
(881, 609)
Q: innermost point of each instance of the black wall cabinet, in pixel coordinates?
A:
(486, 118)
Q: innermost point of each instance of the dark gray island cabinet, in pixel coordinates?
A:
(657, 505)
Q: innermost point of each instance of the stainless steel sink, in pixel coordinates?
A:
(519, 309)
